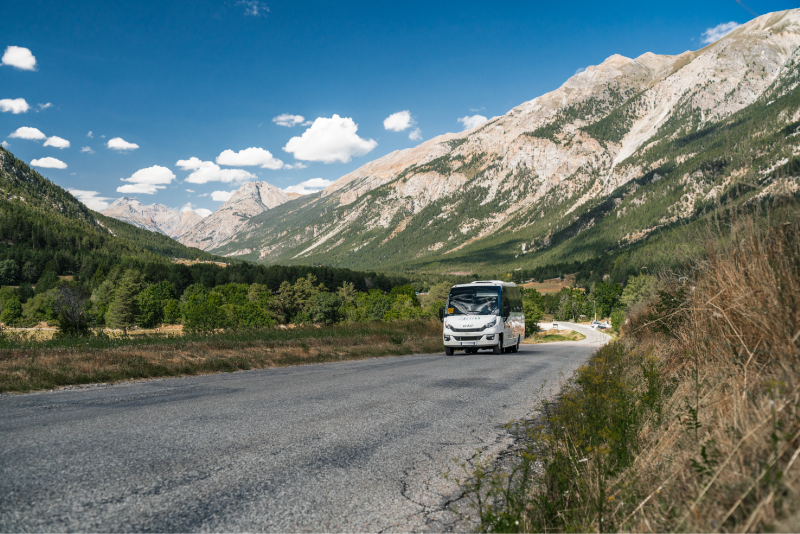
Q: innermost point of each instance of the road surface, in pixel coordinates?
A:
(350, 446)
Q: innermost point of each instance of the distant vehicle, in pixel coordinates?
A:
(485, 314)
(597, 325)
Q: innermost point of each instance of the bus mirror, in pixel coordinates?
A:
(506, 310)
(441, 314)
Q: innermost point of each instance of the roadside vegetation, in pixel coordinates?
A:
(28, 363)
(552, 336)
(689, 422)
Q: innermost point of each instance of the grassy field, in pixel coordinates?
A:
(28, 363)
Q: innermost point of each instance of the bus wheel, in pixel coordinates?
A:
(448, 351)
(515, 348)
(497, 349)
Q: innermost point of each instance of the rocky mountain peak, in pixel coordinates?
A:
(155, 217)
(248, 201)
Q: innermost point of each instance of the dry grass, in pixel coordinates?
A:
(733, 356)
(33, 367)
(552, 336)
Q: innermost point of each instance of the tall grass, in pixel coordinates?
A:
(691, 422)
(28, 364)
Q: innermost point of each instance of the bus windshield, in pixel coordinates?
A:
(474, 301)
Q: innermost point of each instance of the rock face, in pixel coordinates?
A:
(560, 164)
(156, 217)
(249, 200)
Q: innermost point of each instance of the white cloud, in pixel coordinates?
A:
(202, 212)
(25, 132)
(119, 143)
(297, 165)
(15, 106)
(5, 144)
(90, 199)
(415, 134)
(147, 181)
(471, 122)
(397, 122)
(203, 195)
(87, 149)
(49, 163)
(254, 8)
(330, 140)
(222, 196)
(309, 186)
(719, 31)
(249, 157)
(191, 191)
(89, 134)
(19, 57)
(43, 107)
(57, 142)
(288, 120)
(207, 171)
(582, 69)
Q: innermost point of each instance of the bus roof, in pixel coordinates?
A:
(487, 283)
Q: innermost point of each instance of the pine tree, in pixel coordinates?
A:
(123, 310)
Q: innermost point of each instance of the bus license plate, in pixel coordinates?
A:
(467, 343)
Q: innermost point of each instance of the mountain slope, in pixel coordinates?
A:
(249, 200)
(620, 151)
(155, 218)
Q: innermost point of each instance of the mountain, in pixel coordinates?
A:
(251, 199)
(621, 151)
(156, 217)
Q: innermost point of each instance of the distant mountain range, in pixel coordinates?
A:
(623, 151)
(190, 227)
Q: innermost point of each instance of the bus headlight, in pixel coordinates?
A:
(491, 324)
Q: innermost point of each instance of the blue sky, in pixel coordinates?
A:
(194, 84)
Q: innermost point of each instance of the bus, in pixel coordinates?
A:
(485, 314)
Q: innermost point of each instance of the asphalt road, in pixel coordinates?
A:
(351, 446)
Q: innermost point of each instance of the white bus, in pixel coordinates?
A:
(485, 314)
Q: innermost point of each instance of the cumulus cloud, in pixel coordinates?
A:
(91, 199)
(89, 134)
(222, 196)
(719, 31)
(297, 165)
(288, 120)
(87, 149)
(25, 132)
(49, 163)
(19, 57)
(57, 142)
(249, 157)
(309, 186)
(254, 8)
(397, 122)
(473, 121)
(15, 105)
(207, 171)
(415, 134)
(5, 144)
(43, 107)
(330, 140)
(191, 191)
(119, 143)
(202, 212)
(147, 181)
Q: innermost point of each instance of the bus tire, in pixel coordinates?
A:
(515, 348)
(448, 351)
(498, 349)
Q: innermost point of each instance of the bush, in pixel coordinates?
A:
(617, 318)
(12, 312)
